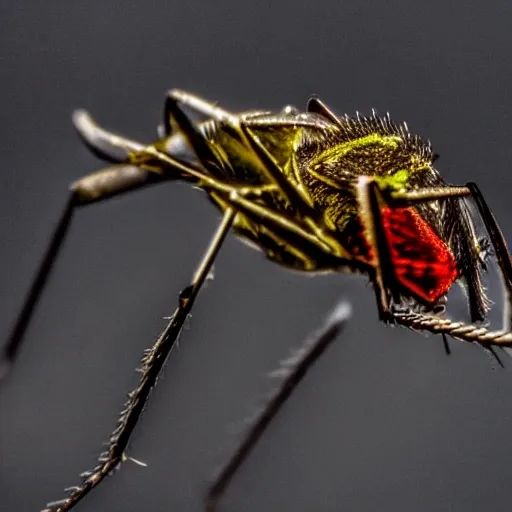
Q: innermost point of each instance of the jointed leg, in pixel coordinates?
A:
(104, 144)
(199, 144)
(460, 330)
(148, 161)
(152, 364)
(500, 249)
(11, 349)
(173, 113)
(93, 187)
(269, 166)
(203, 107)
(239, 198)
(121, 178)
(294, 370)
(139, 165)
(236, 123)
(370, 200)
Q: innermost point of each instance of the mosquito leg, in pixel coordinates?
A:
(294, 370)
(207, 156)
(115, 148)
(148, 163)
(104, 144)
(202, 148)
(112, 148)
(446, 345)
(459, 330)
(492, 352)
(213, 111)
(239, 199)
(11, 349)
(462, 331)
(369, 203)
(200, 144)
(152, 364)
(499, 245)
(426, 194)
(203, 107)
(475, 291)
(293, 193)
(502, 254)
(93, 187)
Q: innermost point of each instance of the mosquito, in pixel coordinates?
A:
(315, 193)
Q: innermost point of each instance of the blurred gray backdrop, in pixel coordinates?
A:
(385, 421)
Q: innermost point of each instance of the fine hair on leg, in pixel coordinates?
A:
(293, 370)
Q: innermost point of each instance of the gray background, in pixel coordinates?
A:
(384, 421)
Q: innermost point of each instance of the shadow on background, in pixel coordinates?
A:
(385, 421)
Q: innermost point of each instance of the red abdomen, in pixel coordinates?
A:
(423, 263)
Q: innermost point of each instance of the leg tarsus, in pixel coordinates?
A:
(492, 352)
(106, 145)
(446, 345)
(11, 349)
(152, 364)
(296, 368)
